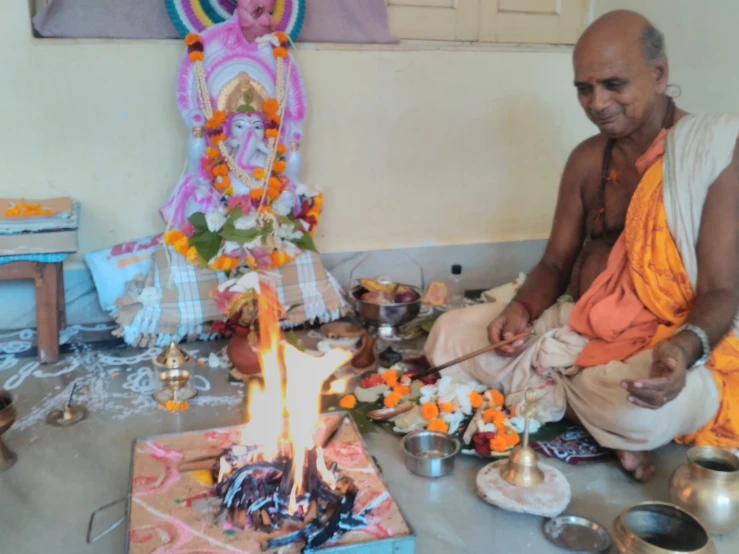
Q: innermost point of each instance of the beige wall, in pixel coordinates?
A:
(702, 45)
(412, 146)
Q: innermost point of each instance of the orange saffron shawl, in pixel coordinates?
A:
(644, 296)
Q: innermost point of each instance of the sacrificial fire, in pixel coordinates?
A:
(276, 479)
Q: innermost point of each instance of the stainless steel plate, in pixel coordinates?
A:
(577, 534)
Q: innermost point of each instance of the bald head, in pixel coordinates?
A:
(625, 26)
(620, 71)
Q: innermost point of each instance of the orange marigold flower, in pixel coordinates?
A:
(279, 52)
(318, 202)
(514, 411)
(220, 170)
(271, 106)
(272, 193)
(446, 407)
(348, 402)
(218, 119)
(192, 255)
(224, 263)
(493, 416)
(196, 56)
(511, 437)
(256, 194)
(275, 118)
(251, 262)
(212, 153)
(282, 37)
(278, 166)
(390, 377)
(438, 425)
(391, 400)
(281, 149)
(258, 174)
(429, 411)
(276, 258)
(275, 183)
(476, 399)
(499, 443)
(173, 236)
(215, 140)
(497, 398)
(181, 246)
(271, 133)
(402, 390)
(192, 38)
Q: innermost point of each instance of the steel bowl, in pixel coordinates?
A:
(387, 315)
(660, 528)
(430, 453)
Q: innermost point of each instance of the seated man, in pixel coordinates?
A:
(645, 236)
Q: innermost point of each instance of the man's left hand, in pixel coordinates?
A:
(667, 378)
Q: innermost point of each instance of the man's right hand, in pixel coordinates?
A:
(513, 321)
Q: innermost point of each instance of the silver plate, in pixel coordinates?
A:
(577, 534)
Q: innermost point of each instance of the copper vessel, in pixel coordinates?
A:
(660, 528)
(707, 486)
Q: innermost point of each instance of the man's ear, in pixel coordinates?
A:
(661, 72)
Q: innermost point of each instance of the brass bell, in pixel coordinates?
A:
(522, 469)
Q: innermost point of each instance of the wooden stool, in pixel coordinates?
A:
(50, 308)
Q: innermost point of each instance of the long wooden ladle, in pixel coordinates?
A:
(471, 355)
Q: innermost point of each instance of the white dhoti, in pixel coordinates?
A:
(547, 365)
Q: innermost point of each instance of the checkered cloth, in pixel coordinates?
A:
(172, 302)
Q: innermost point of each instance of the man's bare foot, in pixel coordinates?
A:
(638, 464)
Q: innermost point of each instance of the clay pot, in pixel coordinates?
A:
(243, 355)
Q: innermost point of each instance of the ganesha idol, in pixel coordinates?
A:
(240, 208)
(250, 124)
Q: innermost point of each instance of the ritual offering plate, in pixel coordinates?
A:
(203, 491)
(577, 534)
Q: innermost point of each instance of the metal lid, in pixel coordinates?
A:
(172, 357)
(577, 534)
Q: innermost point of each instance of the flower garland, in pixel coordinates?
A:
(251, 230)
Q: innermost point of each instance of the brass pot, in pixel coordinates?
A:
(660, 528)
(707, 486)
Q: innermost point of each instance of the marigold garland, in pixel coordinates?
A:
(288, 235)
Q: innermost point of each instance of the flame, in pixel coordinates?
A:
(305, 377)
(338, 386)
(224, 470)
(283, 413)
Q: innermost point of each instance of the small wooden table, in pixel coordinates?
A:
(50, 306)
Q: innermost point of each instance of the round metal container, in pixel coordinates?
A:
(430, 453)
(387, 315)
(577, 534)
(660, 528)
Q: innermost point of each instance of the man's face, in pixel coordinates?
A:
(615, 86)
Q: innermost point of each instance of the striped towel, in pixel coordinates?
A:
(172, 302)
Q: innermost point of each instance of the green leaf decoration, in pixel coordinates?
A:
(245, 109)
(267, 229)
(283, 220)
(305, 243)
(292, 339)
(239, 236)
(207, 243)
(197, 220)
(235, 214)
(364, 424)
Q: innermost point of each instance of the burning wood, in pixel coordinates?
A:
(276, 479)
